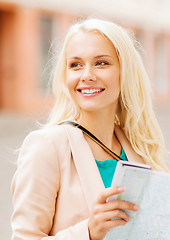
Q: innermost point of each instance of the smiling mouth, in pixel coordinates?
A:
(90, 91)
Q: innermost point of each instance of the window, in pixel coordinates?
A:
(48, 35)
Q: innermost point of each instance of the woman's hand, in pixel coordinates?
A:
(101, 218)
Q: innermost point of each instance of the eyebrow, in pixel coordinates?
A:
(98, 56)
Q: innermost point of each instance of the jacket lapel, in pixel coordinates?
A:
(87, 169)
(130, 153)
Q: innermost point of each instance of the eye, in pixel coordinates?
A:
(75, 65)
(102, 63)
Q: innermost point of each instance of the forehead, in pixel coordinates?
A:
(83, 43)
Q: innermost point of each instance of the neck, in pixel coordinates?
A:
(100, 124)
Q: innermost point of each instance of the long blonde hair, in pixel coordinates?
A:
(135, 112)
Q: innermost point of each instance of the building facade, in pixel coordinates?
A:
(27, 31)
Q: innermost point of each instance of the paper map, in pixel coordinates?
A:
(151, 191)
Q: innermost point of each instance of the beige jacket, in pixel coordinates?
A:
(56, 184)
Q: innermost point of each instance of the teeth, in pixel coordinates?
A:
(91, 90)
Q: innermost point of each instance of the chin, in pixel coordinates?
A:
(89, 108)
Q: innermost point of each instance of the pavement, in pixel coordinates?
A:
(13, 129)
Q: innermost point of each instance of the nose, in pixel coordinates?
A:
(88, 74)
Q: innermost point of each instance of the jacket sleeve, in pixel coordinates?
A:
(34, 190)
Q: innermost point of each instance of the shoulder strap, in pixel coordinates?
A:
(95, 139)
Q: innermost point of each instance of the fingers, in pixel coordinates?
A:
(120, 204)
(101, 226)
(108, 192)
(113, 216)
(116, 204)
(111, 224)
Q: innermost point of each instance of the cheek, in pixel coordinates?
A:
(72, 80)
(113, 80)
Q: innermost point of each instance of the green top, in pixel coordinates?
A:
(107, 168)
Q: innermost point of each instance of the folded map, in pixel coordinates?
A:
(151, 191)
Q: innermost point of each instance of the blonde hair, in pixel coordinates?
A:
(135, 112)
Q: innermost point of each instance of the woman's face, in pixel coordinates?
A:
(93, 72)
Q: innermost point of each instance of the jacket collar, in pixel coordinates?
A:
(130, 153)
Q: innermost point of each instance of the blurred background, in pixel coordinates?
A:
(28, 29)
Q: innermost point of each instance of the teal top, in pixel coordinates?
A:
(107, 168)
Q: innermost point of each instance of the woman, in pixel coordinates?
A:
(60, 188)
